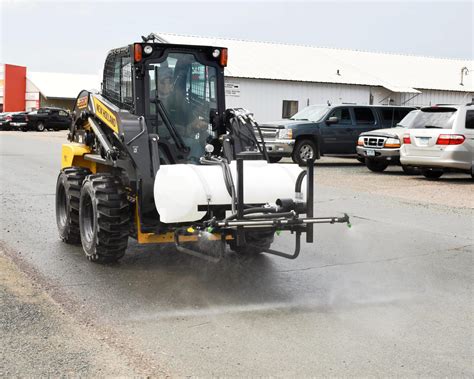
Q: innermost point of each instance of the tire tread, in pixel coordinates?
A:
(113, 218)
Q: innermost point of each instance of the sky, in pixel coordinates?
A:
(67, 36)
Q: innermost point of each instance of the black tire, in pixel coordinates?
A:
(304, 149)
(68, 192)
(430, 173)
(256, 243)
(104, 218)
(409, 170)
(376, 165)
(40, 127)
(274, 159)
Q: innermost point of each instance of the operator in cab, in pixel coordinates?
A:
(184, 90)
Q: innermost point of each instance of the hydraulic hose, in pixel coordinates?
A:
(299, 181)
(229, 181)
(252, 211)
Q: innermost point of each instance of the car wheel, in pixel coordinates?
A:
(409, 170)
(376, 165)
(40, 127)
(304, 150)
(274, 159)
(431, 173)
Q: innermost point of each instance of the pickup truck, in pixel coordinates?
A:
(48, 118)
(5, 119)
(381, 147)
(326, 130)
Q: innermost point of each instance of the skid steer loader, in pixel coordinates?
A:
(157, 157)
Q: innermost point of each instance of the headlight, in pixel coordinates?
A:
(285, 134)
(360, 141)
(392, 142)
(148, 49)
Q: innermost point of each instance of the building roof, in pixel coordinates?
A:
(61, 85)
(396, 72)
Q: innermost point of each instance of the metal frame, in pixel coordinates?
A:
(289, 221)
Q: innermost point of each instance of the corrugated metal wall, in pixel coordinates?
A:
(265, 97)
(431, 97)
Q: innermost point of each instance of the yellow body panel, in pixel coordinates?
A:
(72, 154)
(105, 115)
(145, 238)
(72, 151)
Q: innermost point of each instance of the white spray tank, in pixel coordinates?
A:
(180, 189)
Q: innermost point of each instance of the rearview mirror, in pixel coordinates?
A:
(332, 120)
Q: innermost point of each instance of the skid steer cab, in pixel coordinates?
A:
(156, 156)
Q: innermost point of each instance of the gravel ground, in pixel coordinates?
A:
(39, 339)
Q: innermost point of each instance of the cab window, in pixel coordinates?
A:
(118, 80)
(186, 90)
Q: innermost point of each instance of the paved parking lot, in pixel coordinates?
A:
(390, 296)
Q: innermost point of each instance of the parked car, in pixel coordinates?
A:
(49, 118)
(440, 139)
(19, 120)
(326, 130)
(5, 119)
(381, 147)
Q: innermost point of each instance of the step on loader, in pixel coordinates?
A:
(156, 156)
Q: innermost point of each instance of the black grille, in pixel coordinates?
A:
(268, 133)
(374, 141)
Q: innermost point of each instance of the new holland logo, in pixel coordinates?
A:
(105, 115)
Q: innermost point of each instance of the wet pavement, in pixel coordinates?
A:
(390, 296)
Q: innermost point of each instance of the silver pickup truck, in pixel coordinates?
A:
(381, 147)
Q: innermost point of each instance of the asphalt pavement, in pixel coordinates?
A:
(390, 296)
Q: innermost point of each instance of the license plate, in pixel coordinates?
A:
(370, 153)
(423, 141)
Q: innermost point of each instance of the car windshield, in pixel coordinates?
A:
(311, 113)
(186, 90)
(430, 118)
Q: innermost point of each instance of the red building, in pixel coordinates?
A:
(14, 88)
(22, 90)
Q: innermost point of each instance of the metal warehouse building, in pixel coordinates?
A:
(275, 80)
